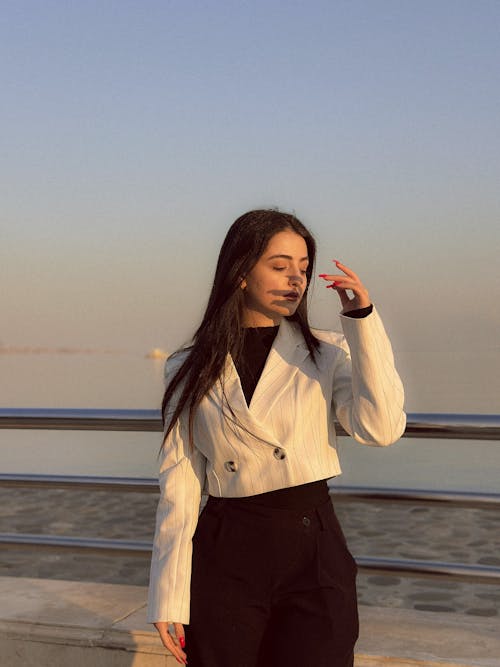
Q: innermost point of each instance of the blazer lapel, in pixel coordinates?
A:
(287, 353)
(229, 391)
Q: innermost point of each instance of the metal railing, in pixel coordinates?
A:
(421, 425)
(439, 426)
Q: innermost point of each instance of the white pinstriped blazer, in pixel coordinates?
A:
(291, 418)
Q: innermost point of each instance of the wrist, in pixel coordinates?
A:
(356, 304)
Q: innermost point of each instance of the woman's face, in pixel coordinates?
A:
(275, 286)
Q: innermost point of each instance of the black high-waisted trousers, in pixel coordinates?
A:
(271, 587)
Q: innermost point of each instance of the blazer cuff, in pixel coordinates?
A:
(358, 313)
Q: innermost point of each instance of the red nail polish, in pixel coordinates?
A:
(335, 283)
(182, 642)
(322, 275)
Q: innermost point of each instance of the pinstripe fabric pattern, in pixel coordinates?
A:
(285, 437)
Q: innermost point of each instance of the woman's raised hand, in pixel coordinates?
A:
(348, 281)
(172, 636)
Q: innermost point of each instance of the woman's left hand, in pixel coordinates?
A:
(349, 281)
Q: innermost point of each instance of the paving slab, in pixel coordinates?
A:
(67, 603)
(404, 637)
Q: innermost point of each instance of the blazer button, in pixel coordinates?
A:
(230, 466)
(279, 454)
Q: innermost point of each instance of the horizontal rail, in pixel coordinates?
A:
(462, 571)
(94, 545)
(419, 425)
(452, 426)
(91, 545)
(80, 419)
(338, 493)
(130, 484)
(455, 498)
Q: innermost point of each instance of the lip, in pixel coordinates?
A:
(291, 296)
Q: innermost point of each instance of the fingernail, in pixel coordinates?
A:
(182, 642)
(335, 283)
(322, 275)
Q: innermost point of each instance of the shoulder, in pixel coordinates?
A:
(332, 346)
(178, 357)
(174, 362)
(329, 338)
(325, 337)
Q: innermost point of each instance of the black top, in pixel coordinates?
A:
(256, 346)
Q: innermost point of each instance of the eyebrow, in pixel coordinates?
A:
(302, 259)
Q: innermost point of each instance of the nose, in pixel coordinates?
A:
(296, 279)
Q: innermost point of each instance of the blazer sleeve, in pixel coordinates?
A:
(368, 393)
(181, 479)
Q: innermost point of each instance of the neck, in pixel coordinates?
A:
(253, 318)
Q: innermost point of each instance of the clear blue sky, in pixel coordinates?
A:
(133, 133)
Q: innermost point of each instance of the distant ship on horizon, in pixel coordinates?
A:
(157, 353)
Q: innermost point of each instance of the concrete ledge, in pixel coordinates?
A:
(62, 623)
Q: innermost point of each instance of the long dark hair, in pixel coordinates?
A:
(220, 332)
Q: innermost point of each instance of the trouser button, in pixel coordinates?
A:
(306, 521)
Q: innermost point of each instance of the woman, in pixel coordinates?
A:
(263, 576)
